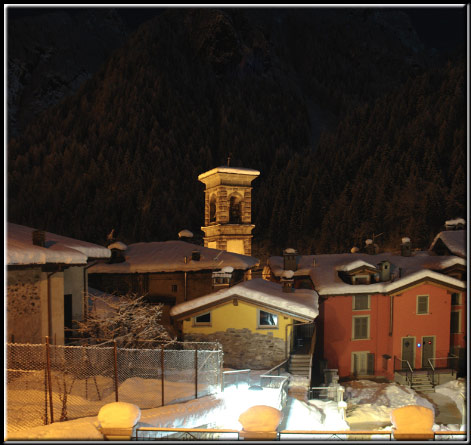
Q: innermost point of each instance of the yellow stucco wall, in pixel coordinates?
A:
(244, 315)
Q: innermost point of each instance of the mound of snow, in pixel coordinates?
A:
(261, 418)
(119, 415)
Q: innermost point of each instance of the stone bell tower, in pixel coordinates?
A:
(228, 209)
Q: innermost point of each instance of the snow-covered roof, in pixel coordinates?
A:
(357, 264)
(58, 249)
(323, 271)
(233, 170)
(302, 303)
(169, 256)
(454, 240)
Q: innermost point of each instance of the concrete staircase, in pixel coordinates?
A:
(299, 365)
(421, 383)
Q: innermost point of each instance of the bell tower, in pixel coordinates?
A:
(228, 209)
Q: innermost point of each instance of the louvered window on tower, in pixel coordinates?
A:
(422, 304)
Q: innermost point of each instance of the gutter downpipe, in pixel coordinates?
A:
(85, 289)
(391, 309)
(185, 286)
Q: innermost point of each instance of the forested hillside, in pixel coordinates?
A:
(352, 135)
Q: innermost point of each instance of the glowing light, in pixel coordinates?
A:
(419, 345)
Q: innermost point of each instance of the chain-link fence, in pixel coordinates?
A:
(50, 383)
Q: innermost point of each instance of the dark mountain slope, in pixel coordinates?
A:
(191, 87)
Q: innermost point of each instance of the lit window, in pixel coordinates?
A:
(361, 328)
(203, 319)
(361, 302)
(422, 304)
(266, 319)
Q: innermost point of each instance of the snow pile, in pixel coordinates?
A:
(455, 390)
(261, 418)
(373, 402)
(118, 245)
(119, 415)
(314, 415)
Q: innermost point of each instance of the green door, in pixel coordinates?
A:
(428, 344)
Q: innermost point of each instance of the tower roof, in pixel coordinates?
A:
(229, 170)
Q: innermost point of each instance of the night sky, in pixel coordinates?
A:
(442, 28)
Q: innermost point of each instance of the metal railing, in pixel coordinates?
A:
(236, 373)
(407, 369)
(154, 433)
(334, 392)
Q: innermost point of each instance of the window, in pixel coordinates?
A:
(455, 299)
(203, 319)
(363, 363)
(455, 322)
(174, 288)
(267, 320)
(361, 328)
(361, 302)
(422, 304)
(361, 279)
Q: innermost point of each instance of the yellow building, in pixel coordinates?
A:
(253, 321)
(228, 209)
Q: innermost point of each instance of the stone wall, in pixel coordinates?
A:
(24, 306)
(245, 349)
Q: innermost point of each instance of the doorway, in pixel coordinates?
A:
(408, 344)
(302, 336)
(428, 347)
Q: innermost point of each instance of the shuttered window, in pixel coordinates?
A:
(361, 328)
(422, 304)
(361, 302)
(363, 363)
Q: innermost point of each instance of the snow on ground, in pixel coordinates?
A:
(455, 390)
(373, 402)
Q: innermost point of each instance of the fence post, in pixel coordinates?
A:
(115, 355)
(48, 361)
(162, 366)
(196, 371)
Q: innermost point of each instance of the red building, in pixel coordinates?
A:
(382, 312)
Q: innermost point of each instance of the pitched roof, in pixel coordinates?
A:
(169, 256)
(454, 240)
(301, 303)
(323, 271)
(58, 249)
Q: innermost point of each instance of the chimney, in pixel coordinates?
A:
(287, 281)
(406, 249)
(117, 252)
(289, 259)
(385, 270)
(39, 238)
(195, 255)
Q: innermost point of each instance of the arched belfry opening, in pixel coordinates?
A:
(228, 208)
(235, 209)
(212, 209)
